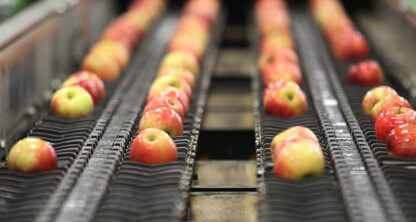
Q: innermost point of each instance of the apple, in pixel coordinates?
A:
(164, 119)
(349, 46)
(104, 65)
(72, 102)
(181, 73)
(401, 141)
(116, 49)
(374, 95)
(388, 102)
(282, 70)
(365, 73)
(276, 55)
(87, 84)
(207, 10)
(161, 83)
(285, 101)
(32, 155)
(97, 94)
(111, 34)
(276, 41)
(188, 43)
(391, 118)
(140, 19)
(165, 101)
(294, 131)
(276, 85)
(193, 23)
(174, 93)
(299, 159)
(128, 28)
(153, 146)
(182, 60)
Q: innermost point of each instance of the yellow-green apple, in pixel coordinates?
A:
(182, 73)
(374, 95)
(276, 55)
(276, 41)
(163, 82)
(299, 159)
(165, 101)
(164, 119)
(174, 93)
(282, 70)
(116, 49)
(388, 102)
(140, 19)
(182, 60)
(391, 118)
(192, 23)
(104, 65)
(401, 141)
(365, 73)
(153, 146)
(72, 102)
(285, 101)
(90, 82)
(32, 155)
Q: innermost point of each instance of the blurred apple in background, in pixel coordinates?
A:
(182, 60)
(103, 64)
(153, 146)
(366, 73)
(164, 119)
(388, 102)
(72, 102)
(401, 141)
(168, 102)
(374, 95)
(181, 73)
(391, 118)
(276, 41)
(276, 55)
(116, 49)
(188, 43)
(163, 82)
(32, 155)
(90, 82)
(282, 70)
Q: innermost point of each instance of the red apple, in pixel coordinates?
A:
(32, 155)
(388, 102)
(153, 146)
(276, 55)
(295, 131)
(128, 28)
(365, 73)
(188, 43)
(164, 119)
(277, 41)
(285, 101)
(374, 95)
(163, 82)
(182, 73)
(299, 159)
(282, 70)
(349, 46)
(104, 65)
(276, 85)
(174, 93)
(90, 82)
(165, 101)
(391, 118)
(72, 102)
(401, 141)
(116, 49)
(182, 60)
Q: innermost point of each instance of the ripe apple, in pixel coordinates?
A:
(374, 95)
(285, 101)
(164, 119)
(192, 23)
(350, 46)
(72, 102)
(188, 43)
(365, 73)
(32, 155)
(276, 85)
(174, 93)
(182, 60)
(165, 101)
(391, 118)
(276, 55)
(294, 131)
(163, 82)
(299, 159)
(116, 49)
(128, 28)
(388, 102)
(140, 19)
(153, 146)
(207, 10)
(90, 82)
(104, 65)
(401, 141)
(182, 73)
(282, 70)
(277, 41)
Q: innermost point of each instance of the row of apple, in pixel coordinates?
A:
(170, 93)
(394, 119)
(84, 89)
(296, 151)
